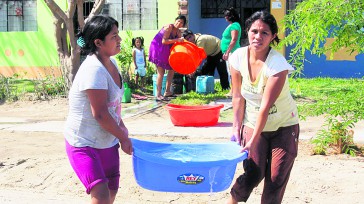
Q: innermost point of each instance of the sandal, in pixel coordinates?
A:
(161, 98)
(139, 97)
(170, 96)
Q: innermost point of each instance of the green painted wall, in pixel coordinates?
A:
(38, 48)
(31, 48)
(167, 13)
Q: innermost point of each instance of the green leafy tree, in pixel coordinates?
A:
(308, 26)
(313, 21)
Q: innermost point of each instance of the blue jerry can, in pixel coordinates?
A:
(205, 84)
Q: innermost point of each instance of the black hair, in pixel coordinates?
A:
(182, 18)
(97, 27)
(232, 15)
(186, 33)
(267, 18)
(141, 41)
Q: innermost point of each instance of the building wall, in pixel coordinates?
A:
(167, 12)
(342, 65)
(32, 53)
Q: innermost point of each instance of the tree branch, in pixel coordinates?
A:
(98, 5)
(56, 10)
(80, 17)
(71, 9)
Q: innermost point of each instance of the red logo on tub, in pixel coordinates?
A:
(190, 179)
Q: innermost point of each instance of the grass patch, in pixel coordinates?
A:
(24, 85)
(319, 96)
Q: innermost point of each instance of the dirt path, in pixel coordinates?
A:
(34, 168)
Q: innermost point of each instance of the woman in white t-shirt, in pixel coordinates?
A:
(265, 115)
(94, 128)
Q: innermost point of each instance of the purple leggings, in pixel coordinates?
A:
(271, 158)
(93, 166)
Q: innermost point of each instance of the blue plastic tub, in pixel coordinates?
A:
(183, 167)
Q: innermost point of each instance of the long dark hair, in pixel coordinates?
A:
(232, 15)
(268, 19)
(182, 18)
(95, 28)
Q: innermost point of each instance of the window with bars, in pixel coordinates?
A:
(133, 14)
(291, 4)
(18, 15)
(215, 8)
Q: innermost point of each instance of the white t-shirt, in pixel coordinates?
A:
(81, 128)
(284, 112)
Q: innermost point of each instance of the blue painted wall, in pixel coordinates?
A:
(320, 67)
(314, 67)
(211, 26)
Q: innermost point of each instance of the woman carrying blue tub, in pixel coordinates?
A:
(94, 129)
(265, 115)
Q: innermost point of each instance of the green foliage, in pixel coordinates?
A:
(8, 89)
(49, 87)
(340, 101)
(313, 21)
(337, 136)
(13, 88)
(125, 57)
(193, 98)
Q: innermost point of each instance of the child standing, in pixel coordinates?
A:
(94, 130)
(139, 61)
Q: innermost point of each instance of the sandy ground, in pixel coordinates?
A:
(34, 168)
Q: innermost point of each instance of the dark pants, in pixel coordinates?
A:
(271, 158)
(213, 62)
(180, 81)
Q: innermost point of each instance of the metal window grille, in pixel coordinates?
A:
(291, 4)
(215, 8)
(18, 15)
(133, 14)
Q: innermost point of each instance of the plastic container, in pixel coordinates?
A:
(185, 57)
(127, 94)
(183, 167)
(205, 84)
(199, 115)
(155, 84)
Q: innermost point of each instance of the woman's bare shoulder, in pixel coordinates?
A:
(168, 27)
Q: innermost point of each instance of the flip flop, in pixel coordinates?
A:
(139, 97)
(171, 96)
(162, 99)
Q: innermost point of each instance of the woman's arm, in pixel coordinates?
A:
(234, 39)
(98, 102)
(166, 40)
(272, 90)
(238, 104)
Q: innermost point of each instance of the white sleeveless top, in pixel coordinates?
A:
(139, 57)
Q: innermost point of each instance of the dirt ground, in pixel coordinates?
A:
(34, 168)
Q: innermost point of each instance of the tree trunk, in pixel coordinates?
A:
(68, 51)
